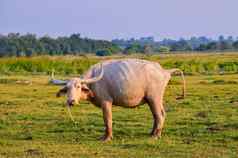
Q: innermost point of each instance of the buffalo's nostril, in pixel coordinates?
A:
(71, 102)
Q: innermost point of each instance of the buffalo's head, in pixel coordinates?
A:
(76, 89)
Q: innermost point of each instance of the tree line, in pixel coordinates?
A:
(15, 44)
(193, 44)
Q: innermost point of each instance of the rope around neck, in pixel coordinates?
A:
(71, 116)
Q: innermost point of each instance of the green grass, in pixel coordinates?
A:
(34, 123)
(190, 63)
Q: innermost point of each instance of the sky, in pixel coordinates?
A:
(110, 19)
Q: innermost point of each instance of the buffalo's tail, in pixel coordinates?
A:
(171, 71)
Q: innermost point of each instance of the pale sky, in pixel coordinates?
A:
(109, 19)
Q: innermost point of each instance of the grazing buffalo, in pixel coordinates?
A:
(124, 82)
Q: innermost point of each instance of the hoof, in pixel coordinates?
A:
(156, 134)
(105, 138)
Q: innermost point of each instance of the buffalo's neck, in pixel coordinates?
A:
(90, 98)
(93, 100)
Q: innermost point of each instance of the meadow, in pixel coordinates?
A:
(34, 123)
(190, 63)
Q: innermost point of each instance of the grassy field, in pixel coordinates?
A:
(190, 63)
(34, 123)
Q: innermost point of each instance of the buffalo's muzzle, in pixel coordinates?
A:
(71, 102)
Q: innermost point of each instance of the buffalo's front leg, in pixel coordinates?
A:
(107, 117)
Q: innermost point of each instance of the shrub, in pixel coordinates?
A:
(103, 52)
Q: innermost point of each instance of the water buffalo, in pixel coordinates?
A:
(123, 82)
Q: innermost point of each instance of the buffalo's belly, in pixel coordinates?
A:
(128, 97)
(129, 103)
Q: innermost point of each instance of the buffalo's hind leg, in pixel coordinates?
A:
(158, 112)
(155, 102)
(107, 117)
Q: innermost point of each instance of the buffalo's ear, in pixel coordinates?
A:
(86, 90)
(61, 92)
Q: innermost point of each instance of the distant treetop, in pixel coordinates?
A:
(15, 44)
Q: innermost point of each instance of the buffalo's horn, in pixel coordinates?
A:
(95, 79)
(58, 82)
(55, 81)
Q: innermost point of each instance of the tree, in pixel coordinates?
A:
(211, 46)
(202, 47)
(135, 48)
(221, 38)
(147, 50)
(235, 45)
(224, 45)
(181, 45)
(164, 49)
